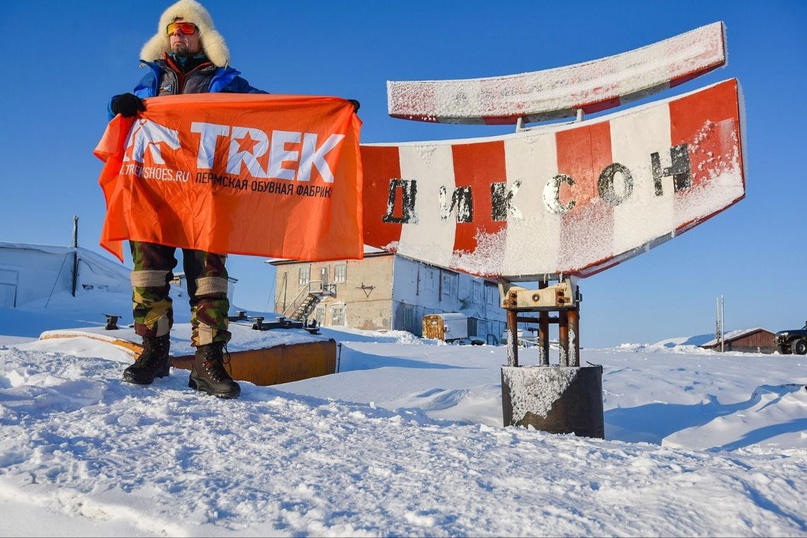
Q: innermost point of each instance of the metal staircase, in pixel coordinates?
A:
(308, 298)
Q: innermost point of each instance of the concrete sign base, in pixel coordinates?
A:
(554, 399)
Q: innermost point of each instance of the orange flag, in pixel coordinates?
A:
(264, 175)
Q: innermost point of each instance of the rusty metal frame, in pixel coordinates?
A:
(563, 299)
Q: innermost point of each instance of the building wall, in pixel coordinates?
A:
(421, 290)
(365, 294)
(758, 342)
(363, 290)
(388, 292)
(30, 273)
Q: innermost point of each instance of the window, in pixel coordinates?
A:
(449, 285)
(477, 292)
(338, 314)
(492, 295)
(430, 279)
(304, 276)
(340, 272)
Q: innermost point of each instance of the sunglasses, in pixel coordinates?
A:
(187, 28)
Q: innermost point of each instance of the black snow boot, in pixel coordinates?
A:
(208, 372)
(152, 362)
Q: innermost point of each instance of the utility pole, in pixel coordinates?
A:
(719, 326)
(75, 253)
(722, 325)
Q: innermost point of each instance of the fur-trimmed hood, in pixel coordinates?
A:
(211, 41)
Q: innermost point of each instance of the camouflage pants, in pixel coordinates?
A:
(207, 286)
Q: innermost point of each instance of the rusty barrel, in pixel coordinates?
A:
(554, 399)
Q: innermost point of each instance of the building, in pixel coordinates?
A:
(31, 274)
(386, 291)
(756, 340)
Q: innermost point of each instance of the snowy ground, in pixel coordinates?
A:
(406, 439)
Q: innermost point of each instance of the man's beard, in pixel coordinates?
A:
(182, 50)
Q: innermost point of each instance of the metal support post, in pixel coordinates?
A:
(543, 333)
(563, 337)
(573, 319)
(562, 399)
(512, 339)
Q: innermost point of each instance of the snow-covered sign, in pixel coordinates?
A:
(561, 199)
(557, 93)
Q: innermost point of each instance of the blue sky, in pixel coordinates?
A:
(64, 60)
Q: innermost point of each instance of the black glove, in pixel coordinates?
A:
(356, 105)
(127, 105)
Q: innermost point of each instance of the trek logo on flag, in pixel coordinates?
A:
(268, 175)
(147, 135)
(246, 145)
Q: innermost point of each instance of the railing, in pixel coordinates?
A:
(312, 292)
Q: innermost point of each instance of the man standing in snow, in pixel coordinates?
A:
(187, 55)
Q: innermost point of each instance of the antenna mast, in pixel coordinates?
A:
(75, 253)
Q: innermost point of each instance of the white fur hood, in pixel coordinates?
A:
(211, 41)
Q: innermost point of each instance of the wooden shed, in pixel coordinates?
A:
(756, 340)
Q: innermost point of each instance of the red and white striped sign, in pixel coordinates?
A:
(561, 199)
(558, 93)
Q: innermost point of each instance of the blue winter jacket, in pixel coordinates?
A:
(208, 79)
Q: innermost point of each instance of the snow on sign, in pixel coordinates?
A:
(561, 199)
(557, 93)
